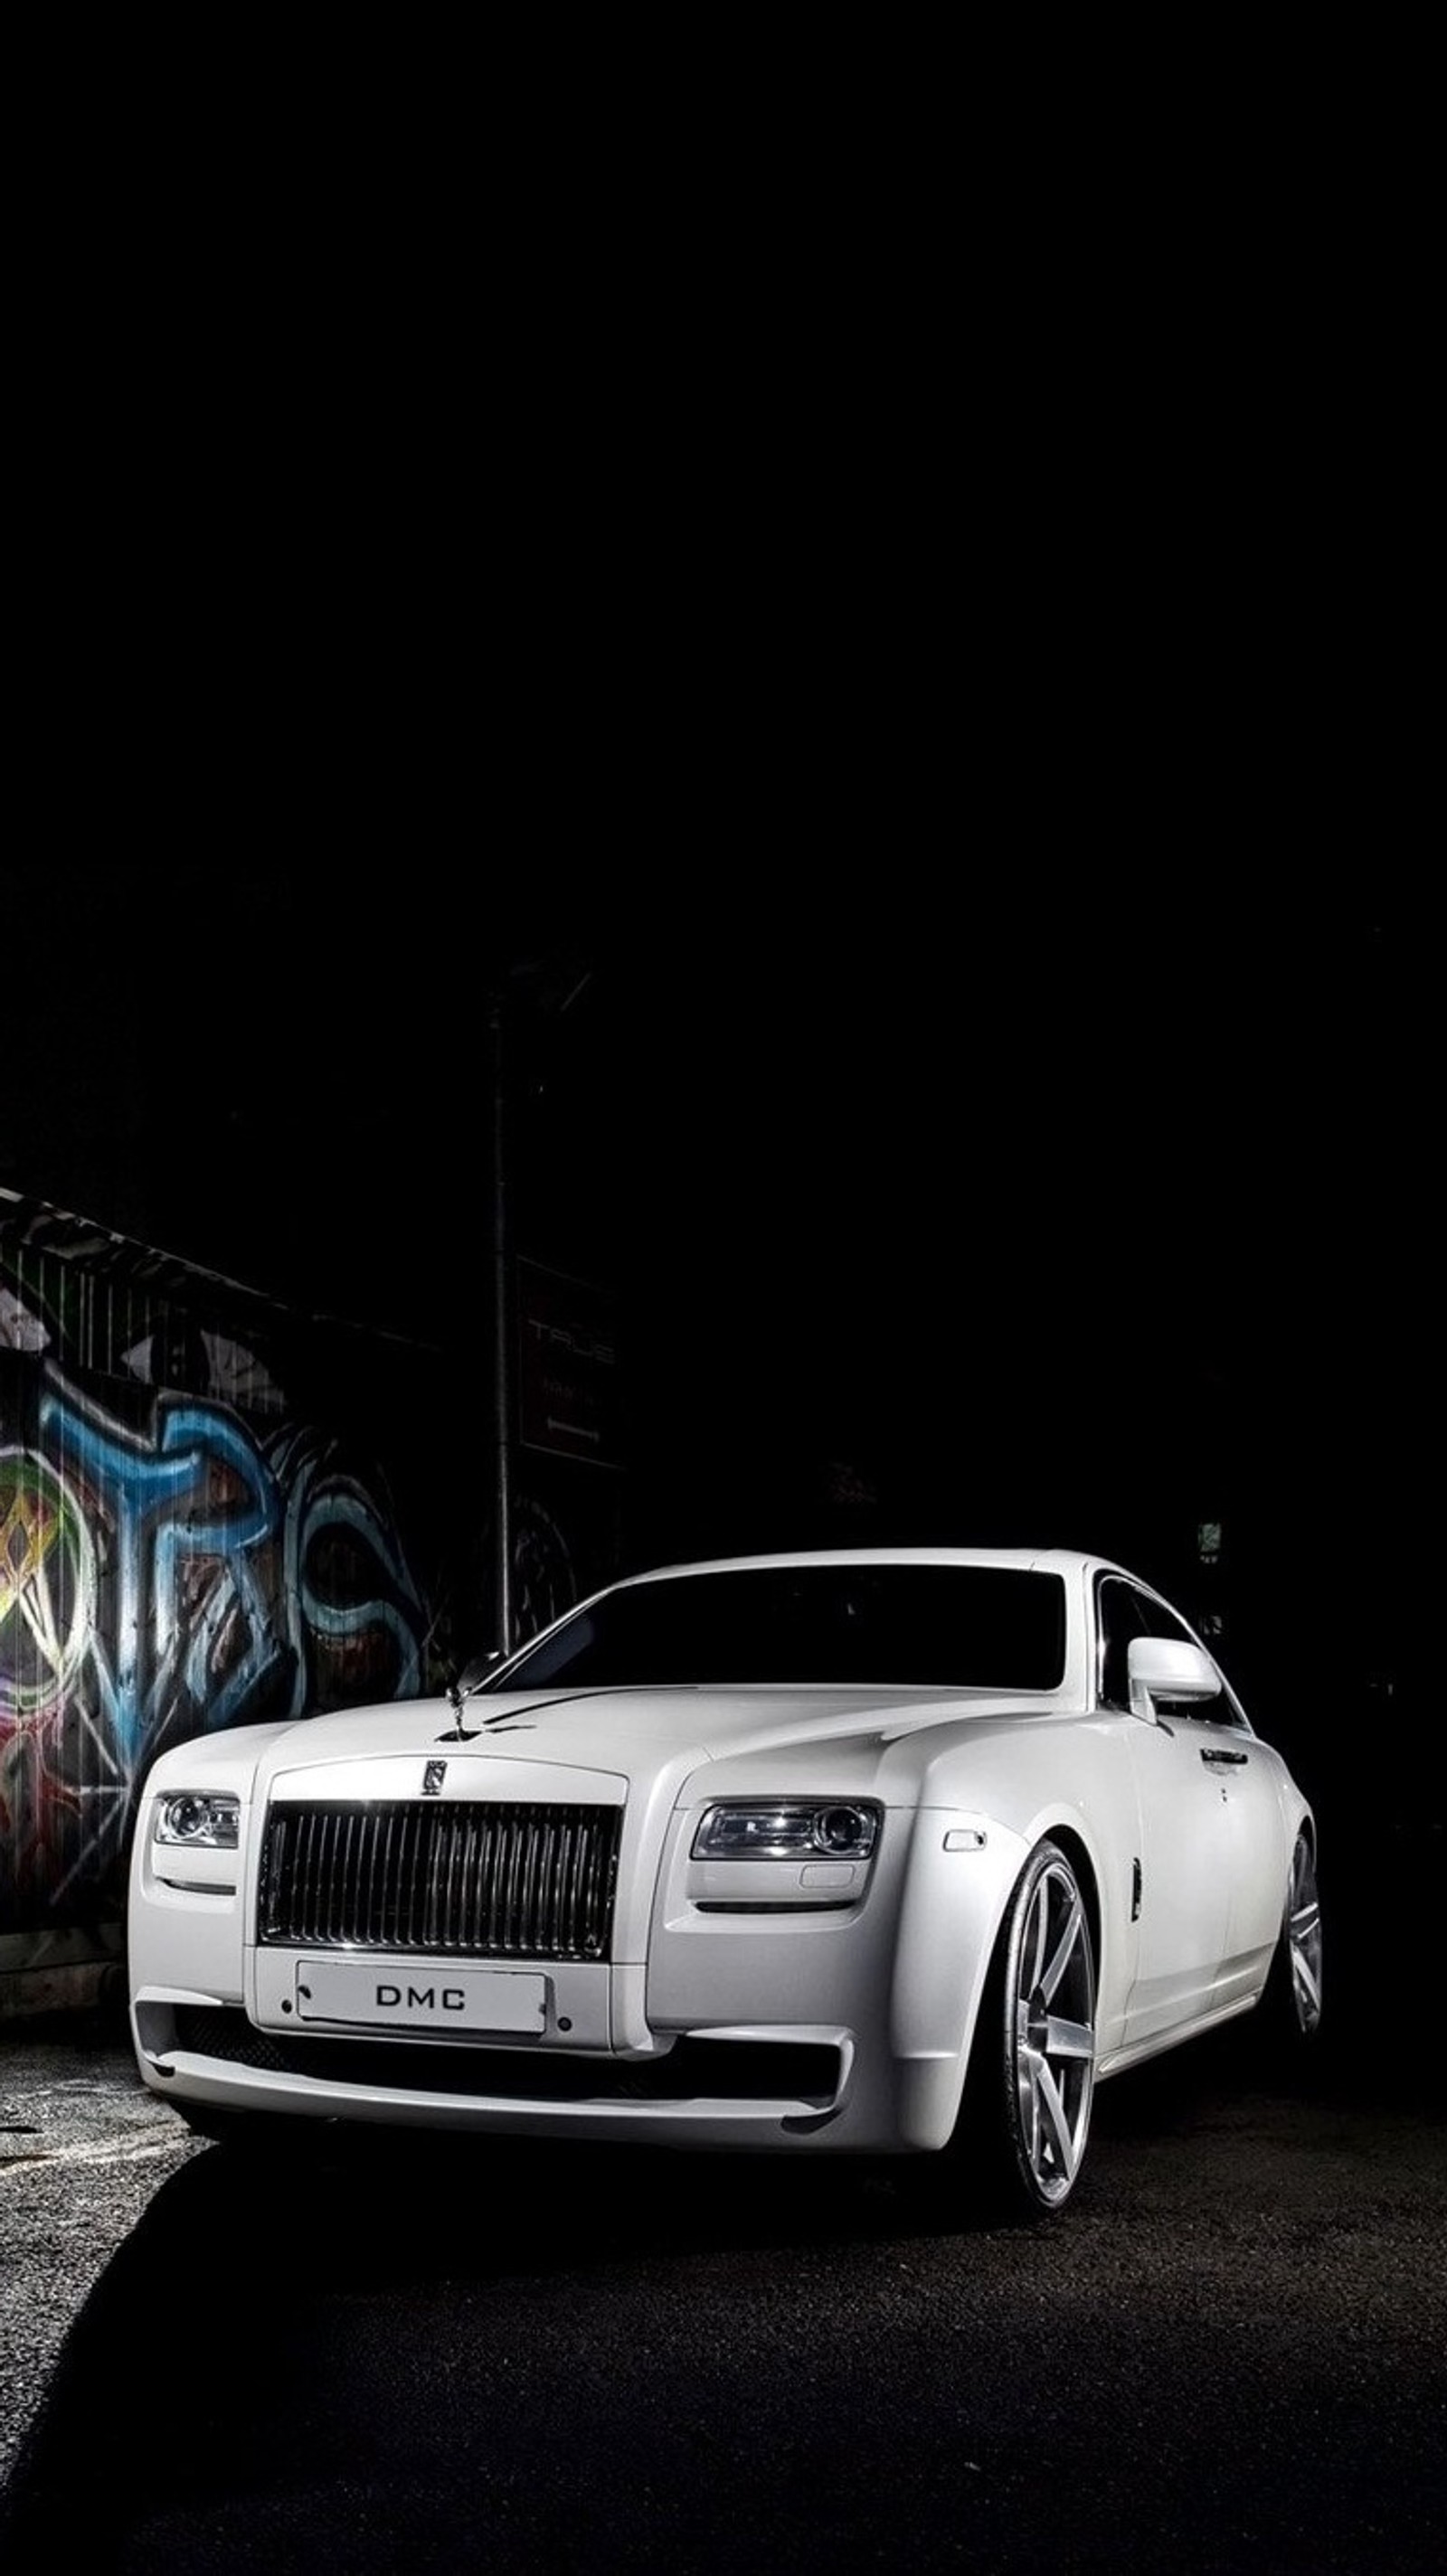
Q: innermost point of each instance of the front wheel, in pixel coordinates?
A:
(1026, 2113)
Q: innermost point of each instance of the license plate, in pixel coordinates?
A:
(428, 1998)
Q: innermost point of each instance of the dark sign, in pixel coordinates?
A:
(568, 1384)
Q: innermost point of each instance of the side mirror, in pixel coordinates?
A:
(1168, 1668)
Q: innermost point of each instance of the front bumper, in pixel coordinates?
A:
(715, 2089)
(838, 2027)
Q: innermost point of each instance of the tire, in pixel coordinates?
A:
(1291, 2000)
(1025, 2118)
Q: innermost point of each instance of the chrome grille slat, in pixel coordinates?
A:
(461, 1878)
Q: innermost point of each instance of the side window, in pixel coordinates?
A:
(1158, 1621)
(1118, 1608)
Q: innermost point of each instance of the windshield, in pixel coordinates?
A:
(956, 1626)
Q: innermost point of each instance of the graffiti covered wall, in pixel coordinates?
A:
(208, 1513)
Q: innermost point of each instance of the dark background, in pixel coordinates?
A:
(956, 685)
(1049, 1200)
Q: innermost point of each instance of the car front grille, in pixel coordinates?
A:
(462, 1879)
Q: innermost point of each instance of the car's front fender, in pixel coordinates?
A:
(962, 1868)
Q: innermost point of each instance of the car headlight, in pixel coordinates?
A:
(210, 1819)
(788, 1829)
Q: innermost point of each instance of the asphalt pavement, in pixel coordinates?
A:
(83, 2148)
(1228, 2354)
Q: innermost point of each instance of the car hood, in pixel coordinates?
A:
(527, 1743)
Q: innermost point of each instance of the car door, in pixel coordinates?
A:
(1245, 1773)
(1248, 1771)
(1183, 1866)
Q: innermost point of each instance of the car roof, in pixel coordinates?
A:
(1040, 1560)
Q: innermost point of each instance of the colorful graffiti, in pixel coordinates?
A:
(160, 1580)
(213, 1509)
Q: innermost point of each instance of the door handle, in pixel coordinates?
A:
(1218, 1753)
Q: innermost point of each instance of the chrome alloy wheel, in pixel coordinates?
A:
(1303, 1938)
(1051, 2033)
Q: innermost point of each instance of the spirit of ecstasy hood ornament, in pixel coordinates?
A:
(461, 1687)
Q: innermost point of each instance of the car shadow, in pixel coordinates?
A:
(173, 2350)
(225, 2310)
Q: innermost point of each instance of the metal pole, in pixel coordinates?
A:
(503, 1516)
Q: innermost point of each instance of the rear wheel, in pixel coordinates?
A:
(1026, 2114)
(1292, 1999)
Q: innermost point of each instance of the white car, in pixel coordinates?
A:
(894, 1851)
